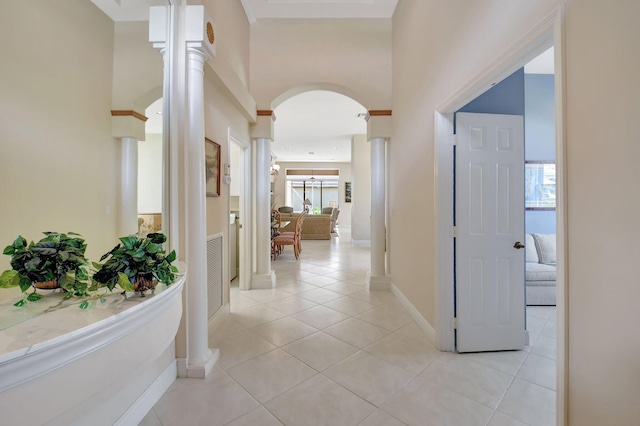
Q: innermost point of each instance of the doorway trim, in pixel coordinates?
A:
(246, 208)
(549, 32)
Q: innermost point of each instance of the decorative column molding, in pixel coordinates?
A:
(198, 39)
(262, 135)
(129, 127)
(128, 223)
(378, 132)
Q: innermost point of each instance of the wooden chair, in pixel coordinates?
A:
(289, 239)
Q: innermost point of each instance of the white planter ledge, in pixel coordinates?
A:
(105, 365)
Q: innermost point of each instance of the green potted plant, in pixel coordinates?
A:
(56, 261)
(137, 264)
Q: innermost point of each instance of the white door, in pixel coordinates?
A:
(490, 304)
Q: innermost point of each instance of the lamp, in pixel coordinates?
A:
(307, 203)
(333, 204)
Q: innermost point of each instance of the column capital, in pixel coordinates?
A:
(263, 127)
(128, 124)
(379, 124)
(199, 33)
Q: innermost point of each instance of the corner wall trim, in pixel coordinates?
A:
(419, 319)
(128, 112)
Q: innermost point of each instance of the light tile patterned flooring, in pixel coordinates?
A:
(322, 350)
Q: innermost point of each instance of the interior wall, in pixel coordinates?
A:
(58, 162)
(279, 186)
(540, 133)
(361, 190)
(137, 67)
(602, 171)
(289, 53)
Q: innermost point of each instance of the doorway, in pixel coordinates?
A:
(548, 33)
(239, 168)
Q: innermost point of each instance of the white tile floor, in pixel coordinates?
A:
(321, 350)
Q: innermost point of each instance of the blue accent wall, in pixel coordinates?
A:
(506, 97)
(539, 136)
(530, 95)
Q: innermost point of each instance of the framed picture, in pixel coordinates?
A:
(212, 167)
(540, 185)
(347, 192)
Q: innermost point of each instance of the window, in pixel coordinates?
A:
(319, 187)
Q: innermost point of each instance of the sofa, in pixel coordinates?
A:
(540, 269)
(314, 227)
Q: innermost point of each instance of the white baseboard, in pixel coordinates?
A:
(361, 243)
(218, 317)
(419, 319)
(149, 397)
(378, 283)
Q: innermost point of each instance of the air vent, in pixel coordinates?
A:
(215, 256)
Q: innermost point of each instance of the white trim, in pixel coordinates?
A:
(202, 370)
(246, 208)
(443, 240)
(217, 318)
(181, 367)
(31, 363)
(149, 397)
(361, 243)
(419, 319)
(550, 31)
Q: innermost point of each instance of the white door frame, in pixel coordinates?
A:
(246, 208)
(549, 32)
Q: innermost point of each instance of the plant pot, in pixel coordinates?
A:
(47, 285)
(143, 284)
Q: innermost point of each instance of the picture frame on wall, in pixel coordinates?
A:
(347, 192)
(212, 167)
(540, 185)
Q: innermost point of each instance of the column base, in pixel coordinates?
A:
(261, 281)
(378, 282)
(198, 370)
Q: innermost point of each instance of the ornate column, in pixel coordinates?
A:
(378, 227)
(378, 130)
(197, 37)
(200, 359)
(262, 134)
(129, 186)
(128, 126)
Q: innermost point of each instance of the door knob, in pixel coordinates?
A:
(518, 245)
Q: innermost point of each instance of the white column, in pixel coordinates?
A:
(200, 358)
(264, 277)
(377, 279)
(128, 187)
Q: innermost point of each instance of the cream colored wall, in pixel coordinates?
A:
(602, 172)
(59, 165)
(345, 176)
(361, 189)
(231, 35)
(354, 54)
(137, 68)
(220, 115)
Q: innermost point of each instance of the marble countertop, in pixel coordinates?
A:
(54, 319)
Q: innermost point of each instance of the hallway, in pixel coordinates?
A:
(321, 350)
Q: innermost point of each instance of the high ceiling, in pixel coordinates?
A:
(261, 9)
(317, 122)
(317, 126)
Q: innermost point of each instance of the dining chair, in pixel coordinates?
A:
(289, 239)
